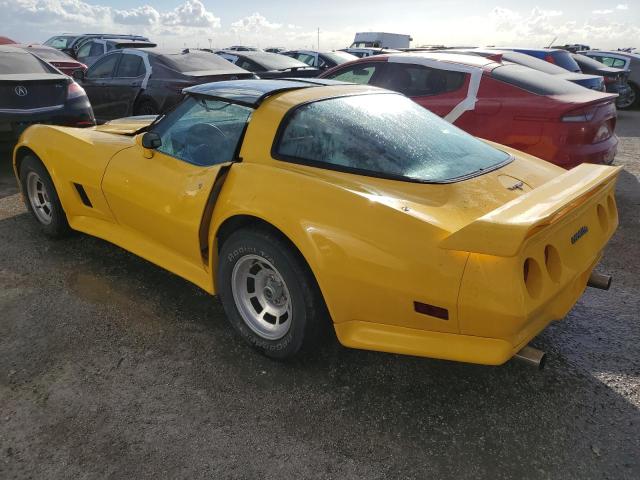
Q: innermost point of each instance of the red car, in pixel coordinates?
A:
(6, 41)
(54, 57)
(514, 105)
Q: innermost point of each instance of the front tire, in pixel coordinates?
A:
(269, 294)
(41, 198)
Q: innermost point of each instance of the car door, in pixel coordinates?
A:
(97, 82)
(160, 195)
(128, 81)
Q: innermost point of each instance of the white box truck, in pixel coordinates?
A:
(381, 40)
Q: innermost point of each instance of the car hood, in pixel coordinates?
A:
(127, 125)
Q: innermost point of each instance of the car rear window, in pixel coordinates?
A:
(21, 63)
(382, 135)
(563, 59)
(534, 81)
(61, 41)
(195, 62)
(51, 54)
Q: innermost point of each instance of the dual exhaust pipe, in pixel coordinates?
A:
(537, 358)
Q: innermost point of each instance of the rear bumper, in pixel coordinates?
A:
(76, 112)
(569, 156)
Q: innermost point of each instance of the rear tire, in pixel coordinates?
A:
(633, 100)
(41, 198)
(269, 295)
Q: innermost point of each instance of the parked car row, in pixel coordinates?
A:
(546, 102)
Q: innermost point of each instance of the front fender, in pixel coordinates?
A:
(73, 156)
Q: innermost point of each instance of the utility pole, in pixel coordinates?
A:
(318, 38)
(210, 43)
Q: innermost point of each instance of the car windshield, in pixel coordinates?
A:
(195, 62)
(275, 61)
(60, 42)
(340, 57)
(383, 135)
(20, 63)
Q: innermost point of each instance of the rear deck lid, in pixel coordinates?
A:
(31, 91)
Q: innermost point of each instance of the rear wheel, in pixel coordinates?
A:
(268, 294)
(631, 100)
(42, 199)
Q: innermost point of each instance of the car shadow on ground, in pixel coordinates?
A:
(108, 349)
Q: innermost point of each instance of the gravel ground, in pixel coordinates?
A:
(113, 368)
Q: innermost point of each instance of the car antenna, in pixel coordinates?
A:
(553, 41)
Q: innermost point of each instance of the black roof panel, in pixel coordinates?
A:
(253, 92)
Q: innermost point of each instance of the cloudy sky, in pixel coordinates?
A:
(290, 23)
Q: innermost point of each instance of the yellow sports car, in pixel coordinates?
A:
(307, 203)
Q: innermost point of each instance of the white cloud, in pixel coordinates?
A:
(254, 23)
(192, 13)
(602, 12)
(622, 6)
(145, 15)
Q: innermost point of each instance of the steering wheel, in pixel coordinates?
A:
(204, 143)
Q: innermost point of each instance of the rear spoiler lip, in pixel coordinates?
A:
(503, 231)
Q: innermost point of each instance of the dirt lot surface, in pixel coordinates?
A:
(113, 368)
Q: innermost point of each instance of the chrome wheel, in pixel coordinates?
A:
(261, 296)
(630, 100)
(39, 198)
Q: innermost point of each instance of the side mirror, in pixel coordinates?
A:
(151, 140)
(78, 75)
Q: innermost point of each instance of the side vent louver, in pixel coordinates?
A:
(83, 195)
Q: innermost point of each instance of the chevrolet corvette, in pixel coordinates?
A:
(309, 204)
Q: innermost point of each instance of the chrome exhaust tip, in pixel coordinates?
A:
(598, 280)
(532, 357)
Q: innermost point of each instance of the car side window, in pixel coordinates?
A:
(203, 131)
(307, 58)
(103, 68)
(248, 65)
(130, 66)
(83, 51)
(612, 62)
(419, 80)
(362, 74)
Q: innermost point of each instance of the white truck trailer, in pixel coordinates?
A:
(381, 40)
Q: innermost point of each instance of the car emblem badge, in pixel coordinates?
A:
(21, 91)
(579, 234)
(516, 186)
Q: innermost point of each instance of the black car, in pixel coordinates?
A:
(269, 65)
(322, 60)
(70, 43)
(32, 91)
(145, 81)
(615, 79)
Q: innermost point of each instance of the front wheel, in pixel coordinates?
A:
(42, 199)
(269, 294)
